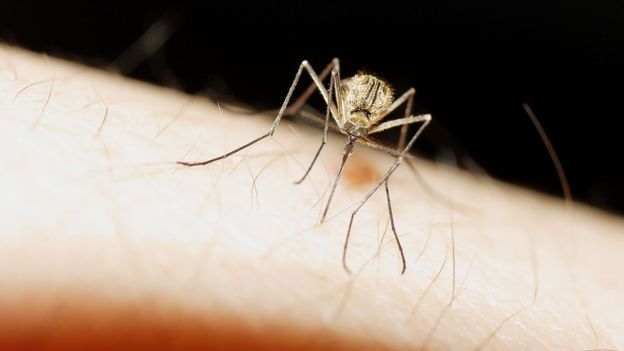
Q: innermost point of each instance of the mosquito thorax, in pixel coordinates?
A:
(366, 97)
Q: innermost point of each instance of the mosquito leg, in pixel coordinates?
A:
(225, 155)
(348, 150)
(396, 236)
(400, 122)
(332, 86)
(408, 98)
(296, 106)
(408, 112)
(425, 119)
(304, 65)
(364, 200)
(318, 120)
(409, 160)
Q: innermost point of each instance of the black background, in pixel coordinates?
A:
(472, 63)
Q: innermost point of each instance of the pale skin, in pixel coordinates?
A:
(105, 242)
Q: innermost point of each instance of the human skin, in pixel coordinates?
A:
(107, 243)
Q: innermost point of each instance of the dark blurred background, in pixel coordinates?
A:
(473, 64)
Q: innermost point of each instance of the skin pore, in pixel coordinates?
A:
(106, 243)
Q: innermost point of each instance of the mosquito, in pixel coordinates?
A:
(357, 105)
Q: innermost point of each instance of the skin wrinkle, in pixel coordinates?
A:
(208, 270)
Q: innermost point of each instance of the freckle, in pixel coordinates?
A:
(360, 173)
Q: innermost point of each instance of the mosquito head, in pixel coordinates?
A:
(358, 123)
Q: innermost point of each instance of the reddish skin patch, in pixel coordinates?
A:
(88, 324)
(360, 173)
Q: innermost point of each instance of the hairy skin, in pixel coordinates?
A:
(106, 243)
